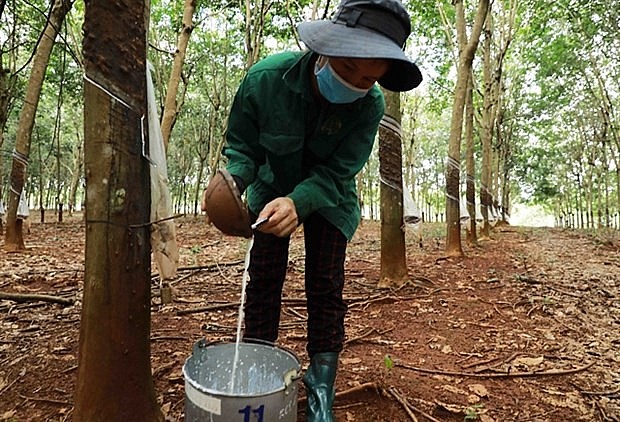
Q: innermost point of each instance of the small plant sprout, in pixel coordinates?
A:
(473, 412)
(388, 362)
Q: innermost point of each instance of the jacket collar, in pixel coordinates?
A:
(297, 77)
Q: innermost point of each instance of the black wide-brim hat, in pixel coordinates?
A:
(367, 29)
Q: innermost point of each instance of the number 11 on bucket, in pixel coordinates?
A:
(247, 411)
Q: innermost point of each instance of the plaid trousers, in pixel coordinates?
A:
(325, 248)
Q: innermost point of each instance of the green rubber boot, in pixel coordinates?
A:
(319, 381)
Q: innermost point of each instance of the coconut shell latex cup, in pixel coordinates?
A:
(224, 206)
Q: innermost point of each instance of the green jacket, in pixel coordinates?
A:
(281, 142)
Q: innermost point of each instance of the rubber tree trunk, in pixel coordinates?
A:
(470, 192)
(8, 85)
(114, 381)
(467, 50)
(78, 167)
(393, 257)
(171, 107)
(14, 239)
(488, 125)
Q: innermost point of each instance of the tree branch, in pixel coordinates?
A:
(30, 297)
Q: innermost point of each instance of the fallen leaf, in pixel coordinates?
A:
(453, 389)
(479, 390)
(7, 415)
(166, 408)
(528, 361)
(350, 361)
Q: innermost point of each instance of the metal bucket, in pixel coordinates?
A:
(264, 388)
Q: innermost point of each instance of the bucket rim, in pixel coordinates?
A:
(203, 346)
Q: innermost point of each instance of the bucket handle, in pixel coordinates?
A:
(259, 341)
(270, 343)
(291, 376)
(201, 344)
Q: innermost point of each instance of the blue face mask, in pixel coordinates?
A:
(335, 89)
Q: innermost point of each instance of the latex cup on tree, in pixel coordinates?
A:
(224, 206)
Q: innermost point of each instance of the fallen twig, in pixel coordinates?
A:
(192, 272)
(496, 374)
(6, 387)
(361, 336)
(69, 369)
(45, 400)
(296, 313)
(479, 363)
(208, 308)
(206, 267)
(533, 309)
(160, 338)
(420, 411)
(403, 401)
(219, 306)
(354, 300)
(358, 388)
(364, 302)
(490, 367)
(564, 292)
(31, 297)
(601, 393)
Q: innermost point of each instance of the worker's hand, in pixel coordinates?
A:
(282, 216)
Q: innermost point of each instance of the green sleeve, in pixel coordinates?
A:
(242, 149)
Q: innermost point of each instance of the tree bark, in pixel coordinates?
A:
(255, 14)
(171, 107)
(486, 136)
(491, 190)
(608, 113)
(77, 170)
(453, 168)
(14, 240)
(114, 381)
(505, 135)
(8, 83)
(470, 192)
(393, 257)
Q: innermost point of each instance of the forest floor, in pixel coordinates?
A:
(524, 327)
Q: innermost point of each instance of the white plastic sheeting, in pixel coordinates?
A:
(463, 213)
(163, 233)
(23, 211)
(411, 213)
(493, 216)
(479, 217)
